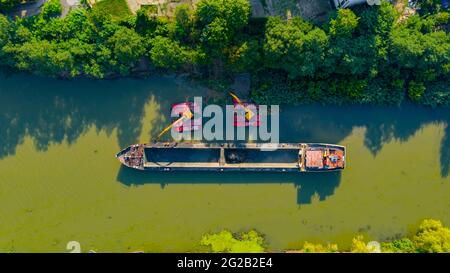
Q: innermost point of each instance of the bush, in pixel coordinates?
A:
(359, 246)
(225, 241)
(404, 245)
(318, 248)
(166, 53)
(432, 237)
(52, 8)
(437, 94)
(416, 91)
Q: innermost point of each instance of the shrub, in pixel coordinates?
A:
(416, 91)
(432, 237)
(404, 245)
(319, 248)
(51, 8)
(225, 241)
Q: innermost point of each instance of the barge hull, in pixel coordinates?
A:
(283, 157)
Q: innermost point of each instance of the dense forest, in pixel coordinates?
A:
(370, 54)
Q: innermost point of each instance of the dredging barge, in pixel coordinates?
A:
(282, 157)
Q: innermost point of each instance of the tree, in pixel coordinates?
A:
(416, 90)
(432, 237)
(294, 46)
(51, 8)
(218, 23)
(245, 57)
(377, 23)
(216, 36)
(350, 53)
(344, 24)
(225, 241)
(183, 22)
(359, 246)
(149, 25)
(127, 46)
(423, 56)
(207, 11)
(235, 12)
(42, 56)
(437, 94)
(166, 53)
(4, 31)
(404, 245)
(102, 24)
(427, 6)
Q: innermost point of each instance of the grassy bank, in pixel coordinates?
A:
(118, 9)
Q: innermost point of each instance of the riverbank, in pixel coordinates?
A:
(368, 55)
(430, 236)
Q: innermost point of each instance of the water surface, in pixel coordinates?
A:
(59, 180)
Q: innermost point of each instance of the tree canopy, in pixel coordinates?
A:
(364, 55)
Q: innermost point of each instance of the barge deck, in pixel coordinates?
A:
(282, 157)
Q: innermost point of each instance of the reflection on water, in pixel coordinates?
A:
(308, 185)
(65, 134)
(331, 124)
(51, 111)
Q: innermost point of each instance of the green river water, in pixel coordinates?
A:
(60, 181)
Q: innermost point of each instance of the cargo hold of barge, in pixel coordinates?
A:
(282, 157)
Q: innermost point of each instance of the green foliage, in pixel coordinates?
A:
(299, 45)
(366, 55)
(404, 245)
(51, 8)
(235, 12)
(127, 47)
(215, 36)
(432, 237)
(359, 246)
(83, 43)
(166, 53)
(344, 24)
(4, 31)
(244, 56)
(416, 91)
(118, 9)
(148, 25)
(219, 23)
(427, 54)
(437, 93)
(226, 242)
(428, 6)
(319, 248)
(182, 26)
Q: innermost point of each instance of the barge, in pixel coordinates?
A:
(281, 157)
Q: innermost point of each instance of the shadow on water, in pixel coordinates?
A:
(308, 185)
(331, 124)
(51, 111)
